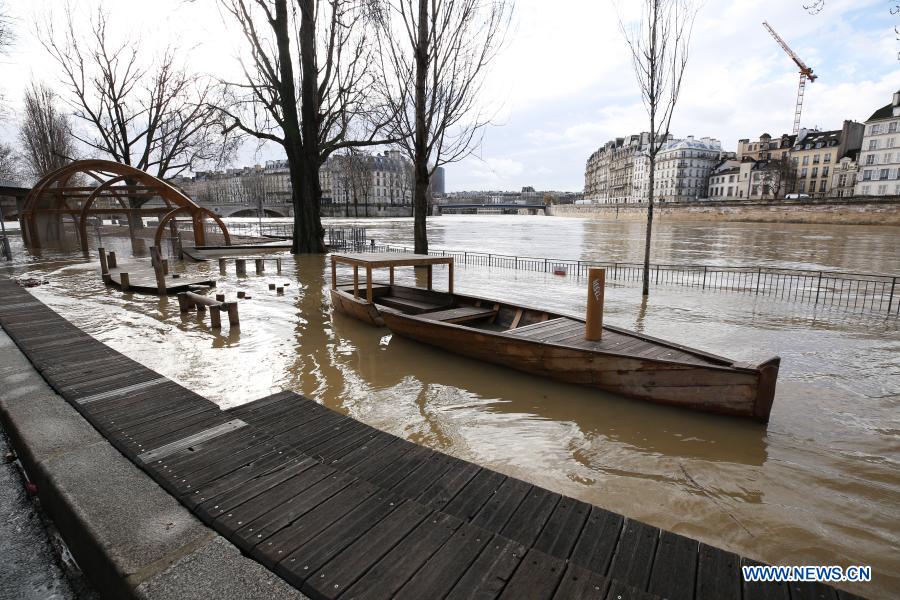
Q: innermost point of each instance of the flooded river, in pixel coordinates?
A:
(819, 485)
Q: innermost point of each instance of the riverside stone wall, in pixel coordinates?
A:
(844, 211)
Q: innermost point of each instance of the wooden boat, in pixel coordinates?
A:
(553, 344)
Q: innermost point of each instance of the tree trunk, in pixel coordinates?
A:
(309, 235)
(420, 200)
(646, 279)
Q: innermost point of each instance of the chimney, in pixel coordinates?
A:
(897, 98)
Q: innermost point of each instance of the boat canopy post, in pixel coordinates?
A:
(593, 327)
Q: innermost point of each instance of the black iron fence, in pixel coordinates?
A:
(850, 291)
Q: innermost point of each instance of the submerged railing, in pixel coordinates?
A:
(849, 291)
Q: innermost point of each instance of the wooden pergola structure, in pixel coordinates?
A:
(98, 188)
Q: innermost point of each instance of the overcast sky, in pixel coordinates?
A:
(563, 85)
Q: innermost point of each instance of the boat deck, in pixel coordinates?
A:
(569, 332)
(340, 509)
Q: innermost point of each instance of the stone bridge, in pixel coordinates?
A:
(249, 209)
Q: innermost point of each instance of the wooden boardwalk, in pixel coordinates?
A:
(340, 509)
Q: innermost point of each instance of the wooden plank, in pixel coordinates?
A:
(562, 529)
(363, 452)
(718, 575)
(475, 495)
(809, 590)
(488, 574)
(763, 590)
(634, 554)
(497, 511)
(598, 540)
(578, 582)
(529, 518)
(386, 576)
(622, 591)
(317, 551)
(459, 315)
(446, 566)
(281, 492)
(214, 497)
(349, 565)
(674, 567)
(446, 487)
(537, 577)
(278, 546)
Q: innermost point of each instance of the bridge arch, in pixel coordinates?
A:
(87, 188)
(252, 212)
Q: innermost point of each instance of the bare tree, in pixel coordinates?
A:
(154, 115)
(435, 56)
(360, 170)
(10, 165)
(659, 46)
(322, 44)
(45, 132)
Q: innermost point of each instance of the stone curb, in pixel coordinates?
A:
(129, 536)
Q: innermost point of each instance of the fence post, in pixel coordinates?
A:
(545, 265)
(657, 275)
(818, 287)
(704, 278)
(758, 273)
(489, 260)
(891, 297)
(615, 270)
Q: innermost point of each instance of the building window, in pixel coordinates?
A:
(887, 158)
(826, 159)
(822, 186)
(870, 159)
(882, 190)
(824, 171)
(802, 172)
(883, 174)
(867, 174)
(815, 172)
(865, 190)
(806, 160)
(892, 126)
(873, 144)
(816, 159)
(890, 142)
(802, 186)
(730, 190)
(731, 179)
(842, 180)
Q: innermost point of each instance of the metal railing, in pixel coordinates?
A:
(849, 291)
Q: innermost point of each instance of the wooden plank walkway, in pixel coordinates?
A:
(340, 509)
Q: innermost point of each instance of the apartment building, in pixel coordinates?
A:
(815, 154)
(683, 168)
(766, 148)
(879, 157)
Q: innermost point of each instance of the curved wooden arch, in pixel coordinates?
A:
(157, 238)
(52, 194)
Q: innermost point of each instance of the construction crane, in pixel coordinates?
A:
(805, 73)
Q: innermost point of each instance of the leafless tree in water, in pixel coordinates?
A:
(322, 45)
(45, 132)
(435, 56)
(659, 46)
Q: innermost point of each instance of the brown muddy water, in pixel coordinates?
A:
(819, 485)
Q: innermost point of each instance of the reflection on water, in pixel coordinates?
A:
(819, 485)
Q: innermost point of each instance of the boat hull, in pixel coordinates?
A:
(357, 308)
(737, 391)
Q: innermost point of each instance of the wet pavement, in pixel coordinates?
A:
(30, 568)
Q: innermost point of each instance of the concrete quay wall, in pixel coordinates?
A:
(838, 211)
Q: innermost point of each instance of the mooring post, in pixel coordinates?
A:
(233, 318)
(104, 266)
(158, 271)
(271, 286)
(124, 281)
(279, 290)
(241, 294)
(593, 327)
(215, 317)
(278, 265)
(111, 260)
(184, 303)
(240, 266)
(260, 266)
(220, 297)
(221, 266)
